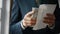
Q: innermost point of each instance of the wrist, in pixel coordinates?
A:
(24, 25)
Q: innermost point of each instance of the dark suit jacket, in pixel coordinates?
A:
(25, 6)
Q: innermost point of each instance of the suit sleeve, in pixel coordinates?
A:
(15, 13)
(16, 28)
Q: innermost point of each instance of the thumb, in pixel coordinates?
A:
(29, 14)
(34, 10)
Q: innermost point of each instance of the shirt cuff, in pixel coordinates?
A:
(22, 25)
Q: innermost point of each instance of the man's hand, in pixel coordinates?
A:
(49, 19)
(28, 20)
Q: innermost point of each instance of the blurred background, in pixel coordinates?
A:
(4, 16)
(0, 14)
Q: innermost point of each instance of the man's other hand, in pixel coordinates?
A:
(49, 19)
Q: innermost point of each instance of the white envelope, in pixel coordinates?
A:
(43, 9)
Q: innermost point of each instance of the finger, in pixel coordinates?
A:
(29, 14)
(27, 19)
(50, 15)
(48, 21)
(49, 18)
(34, 10)
(33, 22)
(33, 19)
(27, 23)
(30, 19)
(30, 22)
